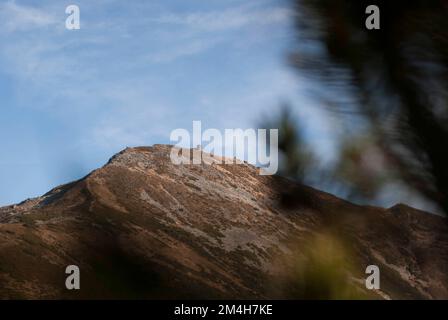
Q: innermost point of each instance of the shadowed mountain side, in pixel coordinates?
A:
(142, 227)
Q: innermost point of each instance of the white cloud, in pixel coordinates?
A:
(233, 18)
(18, 17)
(190, 48)
(196, 32)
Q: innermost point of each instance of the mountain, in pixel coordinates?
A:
(142, 227)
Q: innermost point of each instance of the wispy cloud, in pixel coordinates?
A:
(15, 17)
(190, 48)
(228, 19)
(195, 32)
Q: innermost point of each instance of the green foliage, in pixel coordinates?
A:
(323, 271)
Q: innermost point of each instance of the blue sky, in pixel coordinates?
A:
(136, 70)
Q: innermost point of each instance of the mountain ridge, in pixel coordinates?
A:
(142, 227)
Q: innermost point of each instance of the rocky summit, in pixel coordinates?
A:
(142, 227)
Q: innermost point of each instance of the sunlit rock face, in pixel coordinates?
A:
(142, 227)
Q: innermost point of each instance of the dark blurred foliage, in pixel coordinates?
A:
(357, 175)
(393, 81)
(296, 157)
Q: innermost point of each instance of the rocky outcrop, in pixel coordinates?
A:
(142, 227)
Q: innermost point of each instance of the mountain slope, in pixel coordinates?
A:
(142, 227)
